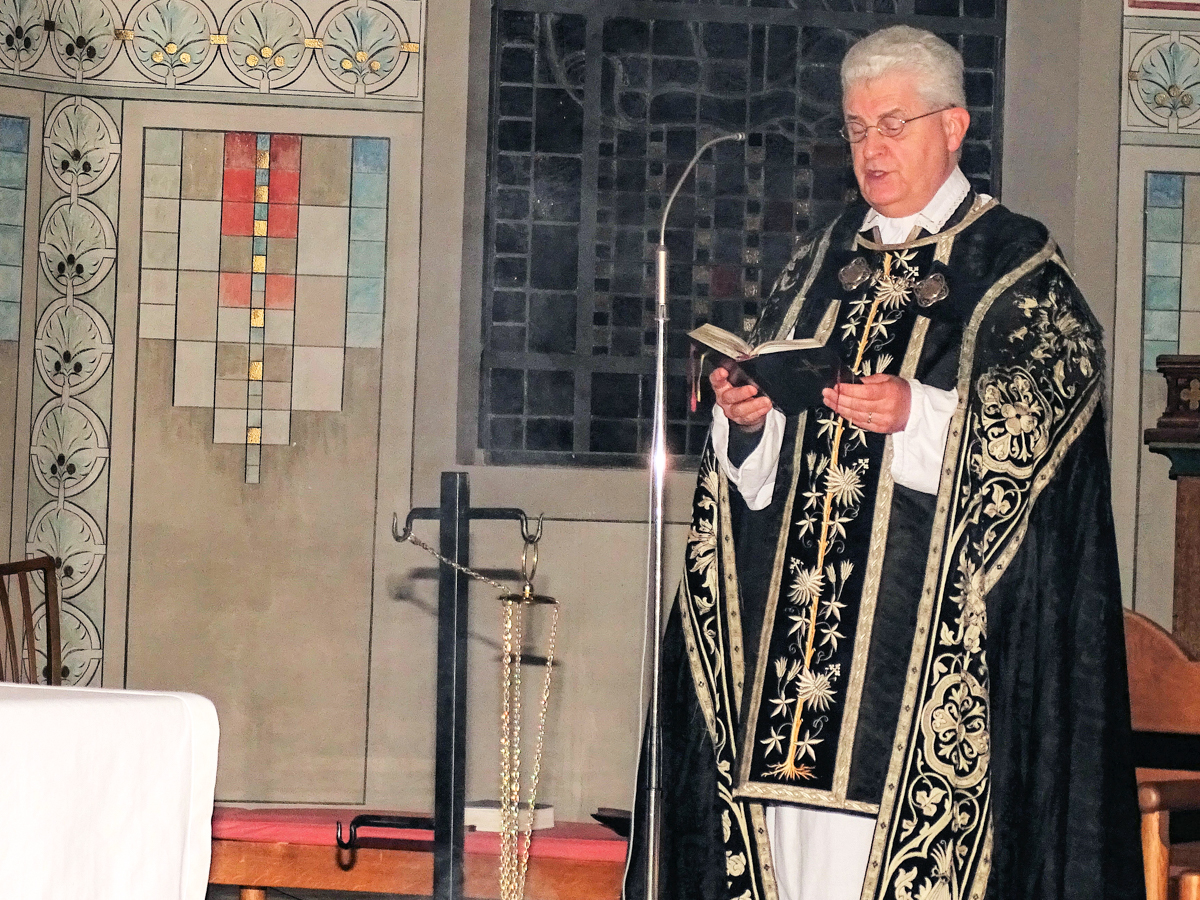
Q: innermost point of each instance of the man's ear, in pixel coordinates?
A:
(955, 122)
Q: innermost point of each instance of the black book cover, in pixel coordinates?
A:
(793, 379)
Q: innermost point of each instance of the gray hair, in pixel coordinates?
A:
(937, 66)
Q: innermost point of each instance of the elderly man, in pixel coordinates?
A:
(895, 668)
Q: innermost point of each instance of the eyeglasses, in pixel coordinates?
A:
(888, 126)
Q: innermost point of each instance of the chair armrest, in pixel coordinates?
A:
(1169, 796)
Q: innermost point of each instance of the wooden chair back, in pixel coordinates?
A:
(1164, 681)
(16, 665)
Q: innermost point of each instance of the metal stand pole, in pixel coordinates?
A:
(450, 771)
(450, 767)
(654, 575)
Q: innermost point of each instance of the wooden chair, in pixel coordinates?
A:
(1164, 695)
(22, 667)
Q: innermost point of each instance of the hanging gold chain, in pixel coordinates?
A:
(514, 852)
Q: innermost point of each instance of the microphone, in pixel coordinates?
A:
(735, 136)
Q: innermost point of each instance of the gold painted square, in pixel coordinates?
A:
(253, 435)
(257, 318)
(259, 264)
(313, 43)
(218, 39)
(263, 160)
(410, 48)
(255, 370)
(260, 227)
(123, 34)
(260, 193)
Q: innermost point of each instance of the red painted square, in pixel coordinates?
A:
(237, 218)
(239, 185)
(235, 289)
(282, 219)
(285, 186)
(285, 153)
(241, 150)
(281, 292)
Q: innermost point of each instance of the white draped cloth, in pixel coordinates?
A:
(105, 794)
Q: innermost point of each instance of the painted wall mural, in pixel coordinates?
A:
(355, 47)
(72, 389)
(281, 271)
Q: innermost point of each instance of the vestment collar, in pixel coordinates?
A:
(932, 218)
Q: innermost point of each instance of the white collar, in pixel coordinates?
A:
(932, 218)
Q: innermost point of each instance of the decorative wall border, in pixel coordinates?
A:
(355, 49)
(72, 379)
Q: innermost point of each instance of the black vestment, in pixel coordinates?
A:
(951, 664)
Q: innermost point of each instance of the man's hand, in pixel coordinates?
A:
(880, 403)
(742, 405)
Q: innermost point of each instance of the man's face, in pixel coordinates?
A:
(899, 176)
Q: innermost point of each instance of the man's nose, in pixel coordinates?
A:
(873, 144)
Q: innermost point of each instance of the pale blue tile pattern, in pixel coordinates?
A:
(364, 329)
(369, 189)
(364, 295)
(163, 147)
(368, 224)
(14, 134)
(1161, 325)
(1151, 350)
(14, 142)
(12, 206)
(10, 283)
(1164, 189)
(10, 245)
(10, 321)
(1164, 224)
(1163, 258)
(371, 155)
(1162, 293)
(366, 258)
(12, 169)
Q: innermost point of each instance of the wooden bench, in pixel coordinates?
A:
(255, 849)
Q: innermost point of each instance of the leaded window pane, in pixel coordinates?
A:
(596, 109)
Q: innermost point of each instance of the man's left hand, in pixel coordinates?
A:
(879, 403)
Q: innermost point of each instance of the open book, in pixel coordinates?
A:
(792, 373)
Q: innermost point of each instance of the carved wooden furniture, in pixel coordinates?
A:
(1177, 437)
(1164, 695)
(296, 848)
(18, 656)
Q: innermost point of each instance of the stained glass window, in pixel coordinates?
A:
(595, 111)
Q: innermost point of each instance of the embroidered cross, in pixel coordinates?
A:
(1191, 395)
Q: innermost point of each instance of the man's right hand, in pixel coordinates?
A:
(743, 406)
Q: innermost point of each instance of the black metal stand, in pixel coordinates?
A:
(449, 781)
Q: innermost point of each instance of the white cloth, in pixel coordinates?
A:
(818, 854)
(105, 793)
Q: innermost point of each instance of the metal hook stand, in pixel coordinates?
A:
(450, 769)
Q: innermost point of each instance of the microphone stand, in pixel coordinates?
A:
(654, 577)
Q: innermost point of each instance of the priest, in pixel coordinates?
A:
(895, 667)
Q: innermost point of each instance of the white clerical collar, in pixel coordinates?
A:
(932, 218)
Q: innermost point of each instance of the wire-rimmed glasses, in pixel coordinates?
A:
(889, 126)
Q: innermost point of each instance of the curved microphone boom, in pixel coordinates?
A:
(654, 578)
